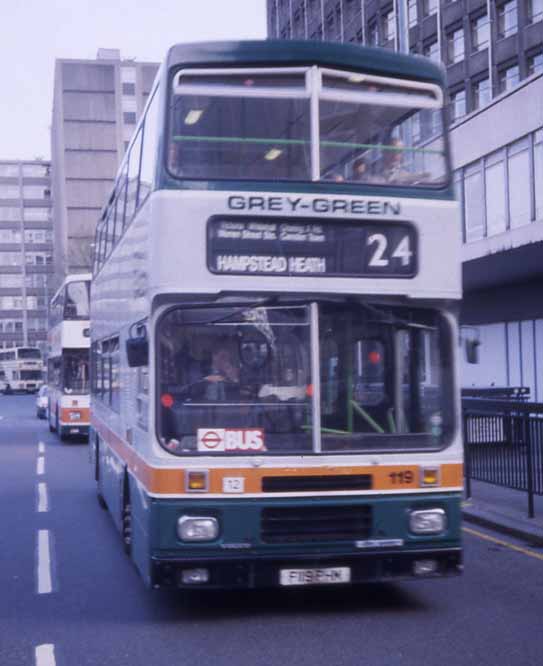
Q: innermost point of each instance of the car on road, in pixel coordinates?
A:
(42, 403)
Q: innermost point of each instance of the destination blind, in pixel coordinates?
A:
(256, 246)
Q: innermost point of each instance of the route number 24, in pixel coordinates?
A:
(380, 256)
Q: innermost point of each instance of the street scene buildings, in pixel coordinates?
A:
(261, 433)
(95, 109)
(26, 252)
(493, 56)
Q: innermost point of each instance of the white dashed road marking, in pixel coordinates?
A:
(40, 466)
(45, 581)
(45, 655)
(43, 498)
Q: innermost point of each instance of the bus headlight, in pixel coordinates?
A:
(427, 521)
(197, 528)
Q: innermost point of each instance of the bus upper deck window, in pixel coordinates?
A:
(240, 125)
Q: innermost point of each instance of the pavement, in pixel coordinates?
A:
(504, 510)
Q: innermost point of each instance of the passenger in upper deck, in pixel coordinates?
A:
(393, 169)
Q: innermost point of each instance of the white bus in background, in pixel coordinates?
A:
(68, 364)
(21, 370)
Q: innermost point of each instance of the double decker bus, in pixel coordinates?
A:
(21, 370)
(68, 362)
(275, 398)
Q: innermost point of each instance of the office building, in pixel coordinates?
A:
(493, 56)
(26, 252)
(498, 160)
(95, 109)
(486, 46)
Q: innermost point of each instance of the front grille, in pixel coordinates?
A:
(315, 523)
(277, 484)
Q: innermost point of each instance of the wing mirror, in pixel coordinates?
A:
(137, 346)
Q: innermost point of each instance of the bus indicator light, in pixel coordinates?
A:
(430, 476)
(166, 400)
(197, 480)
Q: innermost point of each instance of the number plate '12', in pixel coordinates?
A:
(244, 246)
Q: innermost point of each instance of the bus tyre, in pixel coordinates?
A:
(127, 528)
(101, 500)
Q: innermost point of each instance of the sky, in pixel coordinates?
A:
(33, 33)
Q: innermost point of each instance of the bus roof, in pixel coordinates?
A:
(377, 61)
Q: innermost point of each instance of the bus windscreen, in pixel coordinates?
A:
(262, 127)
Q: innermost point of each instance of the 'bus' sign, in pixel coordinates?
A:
(211, 440)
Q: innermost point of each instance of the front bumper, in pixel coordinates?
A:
(262, 571)
(74, 430)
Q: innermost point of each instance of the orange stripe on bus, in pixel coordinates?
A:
(172, 481)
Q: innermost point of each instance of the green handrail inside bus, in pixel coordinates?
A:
(303, 142)
(364, 414)
(328, 431)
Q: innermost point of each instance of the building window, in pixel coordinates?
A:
(480, 33)
(36, 192)
(9, 213)
(9, 170)
(508, 78)
(9, 192)
(432, 51)
(36, 214)
(538, 173)
(129, 117)
(507, 19)
(481, 93)
(496, 214)
(429, 7)
(389, 26)
(9, 236)
(36, 170)
(128, 104)
(129, 88)
(412, 15)
(455, 46)
(12, 281)
(128, 74)
(519, 183)
(534, 10)
(535, 64)
(458, 105)
(473, 203)
(10, 258)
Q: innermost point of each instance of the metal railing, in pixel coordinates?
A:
(503, 445)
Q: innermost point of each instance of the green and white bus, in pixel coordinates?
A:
(275, 397)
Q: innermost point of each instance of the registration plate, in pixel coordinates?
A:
(328, 576)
